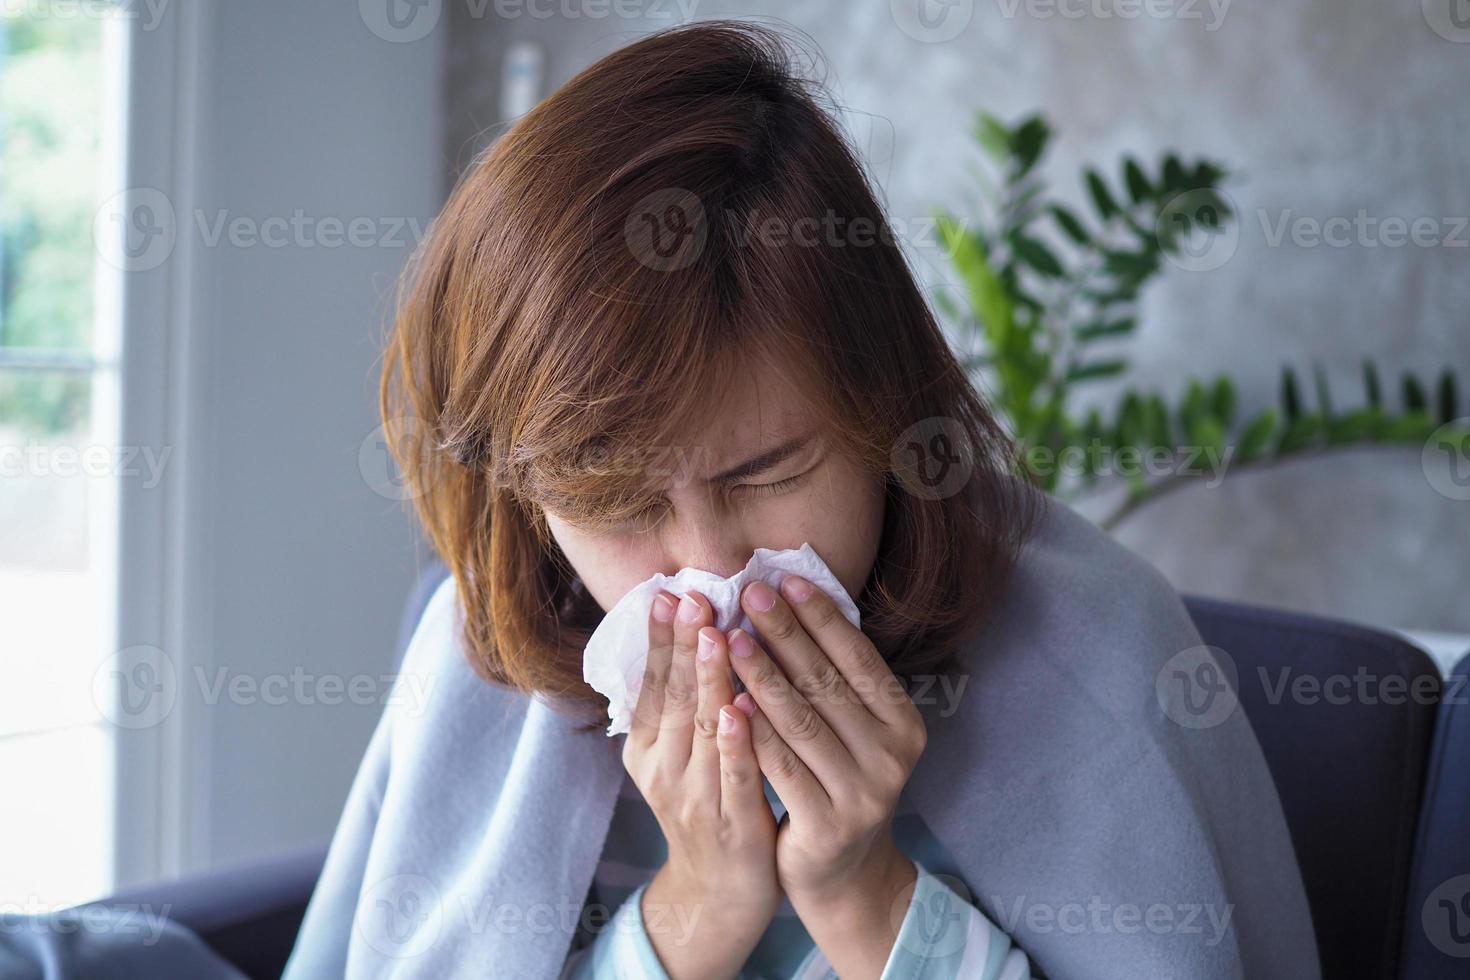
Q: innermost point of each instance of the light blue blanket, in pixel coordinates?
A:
(1108, 839)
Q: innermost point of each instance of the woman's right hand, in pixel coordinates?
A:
(689, 752)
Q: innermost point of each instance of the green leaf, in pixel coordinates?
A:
(1324, 397)
(1174, 177)
(1415, 400)
(1138, 185)
(1105, 328)
(1300, 433)
(1256, 437)
(1413, 427)
(1206, 174)
(1036, 255)
(1129, 429)
(993, 135)
(1194, 406)
(1069, 224)
(1097, 369)
(1370, 382)
(1101, 199)
(1208, 434)
(1358, 426)
(989, 300)
(1222, 401)
(1028, 143)
(1291, 400)
(1158, 423)
(1448, 399)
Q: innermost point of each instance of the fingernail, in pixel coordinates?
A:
(727, 722)
(706, 645)
(688, 609)
(740, 644)
(745, 703)
(663, 608)
(760, 597)
(795, 588)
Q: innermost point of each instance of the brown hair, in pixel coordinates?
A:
(596, 273)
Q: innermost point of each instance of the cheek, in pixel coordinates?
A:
(842, 518)
(609, 566)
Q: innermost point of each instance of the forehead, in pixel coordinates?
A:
(756, 410)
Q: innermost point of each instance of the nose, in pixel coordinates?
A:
(718, 546)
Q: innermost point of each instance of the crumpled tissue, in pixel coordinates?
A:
(615, 655)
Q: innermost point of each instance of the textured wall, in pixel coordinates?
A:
(1323, 109)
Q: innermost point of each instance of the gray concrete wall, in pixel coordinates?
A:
(1323, 108)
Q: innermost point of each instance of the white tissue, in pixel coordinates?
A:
(614, 657)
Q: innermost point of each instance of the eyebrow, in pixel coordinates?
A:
(763, 461)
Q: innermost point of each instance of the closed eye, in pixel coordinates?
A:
(769, 489)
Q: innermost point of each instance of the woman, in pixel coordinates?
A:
(662, 322)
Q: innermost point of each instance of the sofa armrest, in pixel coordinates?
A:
(248, 913)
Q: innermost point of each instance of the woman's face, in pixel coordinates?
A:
(759, 476)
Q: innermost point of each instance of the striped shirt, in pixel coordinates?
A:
(942, 936)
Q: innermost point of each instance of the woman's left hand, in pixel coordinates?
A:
(836, 734)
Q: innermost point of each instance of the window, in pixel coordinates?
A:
(60, 75)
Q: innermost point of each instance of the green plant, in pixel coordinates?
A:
(1053, 300)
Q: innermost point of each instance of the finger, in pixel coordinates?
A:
(741, 789)
(806, 663)
(649, 708)
(681, 693)
(867, 674)
(799, 723)
(798, 789)
(712, 665)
